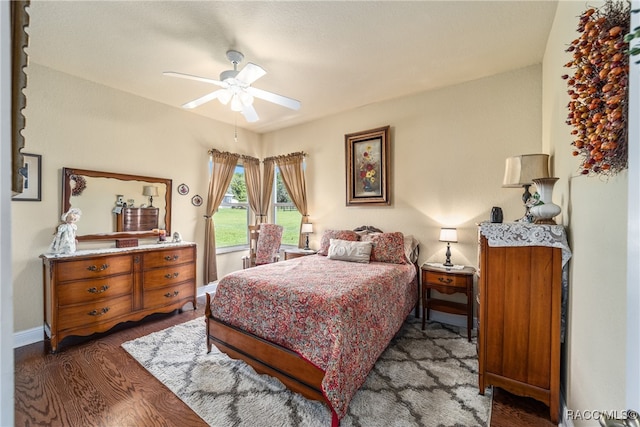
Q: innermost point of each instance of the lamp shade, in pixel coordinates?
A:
(307, 228)
(150, 190)
(521, 170)
(448, 235)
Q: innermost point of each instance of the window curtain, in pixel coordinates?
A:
(292, 170)
(267, 186)
(222, 166)
(252, 179)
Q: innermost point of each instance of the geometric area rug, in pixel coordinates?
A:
(424, 378)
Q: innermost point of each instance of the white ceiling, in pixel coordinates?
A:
(333, 56)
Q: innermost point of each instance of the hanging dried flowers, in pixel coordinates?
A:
(80, 184)
(598, 108)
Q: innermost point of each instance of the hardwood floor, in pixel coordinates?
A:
(96, 383)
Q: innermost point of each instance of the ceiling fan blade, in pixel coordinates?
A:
(250, 73)
(275, 98)
(206, 98)
(249, 113)
(190, 77)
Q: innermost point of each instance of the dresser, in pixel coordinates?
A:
(520, 308)
(137, 219)
(92, 291)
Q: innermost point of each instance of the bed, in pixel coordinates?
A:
(318, 323)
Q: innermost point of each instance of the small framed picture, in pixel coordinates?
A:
(196, 200)
(32, 179)
(183, 189)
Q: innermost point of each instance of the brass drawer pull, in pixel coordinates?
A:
(98, 291)
(171, 258)
(445, 281)
(169, 275)
(171, 295)
(98, 313)
(97, 269)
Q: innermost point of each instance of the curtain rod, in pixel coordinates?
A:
(286, 156)
(245, 157)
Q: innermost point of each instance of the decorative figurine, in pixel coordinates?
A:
(65, 240)
(177, 238)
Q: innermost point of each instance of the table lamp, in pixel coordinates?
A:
(307, 228)
(449, 235)
(150, 191)
(520, 171)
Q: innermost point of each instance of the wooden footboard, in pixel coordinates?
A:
(265, 357)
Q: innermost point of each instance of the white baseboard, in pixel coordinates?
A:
(450, 319)
(565, 421)
(27, 337)
(209, 288)
(34, 335)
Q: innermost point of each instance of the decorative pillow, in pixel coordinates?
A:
(411, 248)
(347, 250)
(387, 247)
(335, 234)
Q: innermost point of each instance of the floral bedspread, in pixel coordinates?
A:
(338, 315)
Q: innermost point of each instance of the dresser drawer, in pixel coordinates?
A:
(443, 279)
(85, 314)
(92, 268)
(168, 257)
(94, 290)
(161, 277)
(169, 295)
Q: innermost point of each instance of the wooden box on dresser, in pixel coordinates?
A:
(92, 291)
(520, 295)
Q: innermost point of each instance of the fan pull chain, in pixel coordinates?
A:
(235, 130)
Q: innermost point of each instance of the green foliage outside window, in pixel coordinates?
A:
(238, 187)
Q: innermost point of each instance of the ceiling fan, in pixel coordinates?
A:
(236, 88)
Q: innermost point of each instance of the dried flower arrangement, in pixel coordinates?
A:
(598, 109)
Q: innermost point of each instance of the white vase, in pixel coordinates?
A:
(545, 212)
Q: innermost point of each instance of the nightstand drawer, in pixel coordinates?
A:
(443, 279)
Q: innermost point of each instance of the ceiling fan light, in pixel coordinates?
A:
(236, 104)
(225, 97)
(246, 98)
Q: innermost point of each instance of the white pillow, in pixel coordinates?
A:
(345, 250)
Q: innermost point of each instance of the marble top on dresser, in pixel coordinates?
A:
(103, 251)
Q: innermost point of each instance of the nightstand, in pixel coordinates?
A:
(448, 281)
(296, 253)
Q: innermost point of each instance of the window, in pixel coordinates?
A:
(232, 218)
(285, 212)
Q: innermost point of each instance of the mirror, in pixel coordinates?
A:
(101, 196)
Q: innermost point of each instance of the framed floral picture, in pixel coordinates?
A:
(367, 156)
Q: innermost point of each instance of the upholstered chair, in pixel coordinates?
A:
(264, 245)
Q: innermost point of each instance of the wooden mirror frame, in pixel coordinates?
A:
(66, 201)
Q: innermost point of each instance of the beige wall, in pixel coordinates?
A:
(448, 150)
(76, 123)
(595, 212)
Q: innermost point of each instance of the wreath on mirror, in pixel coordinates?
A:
(598, 109)
(80, 184)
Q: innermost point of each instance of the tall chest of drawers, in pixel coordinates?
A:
(520, 294)
(92, 291)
